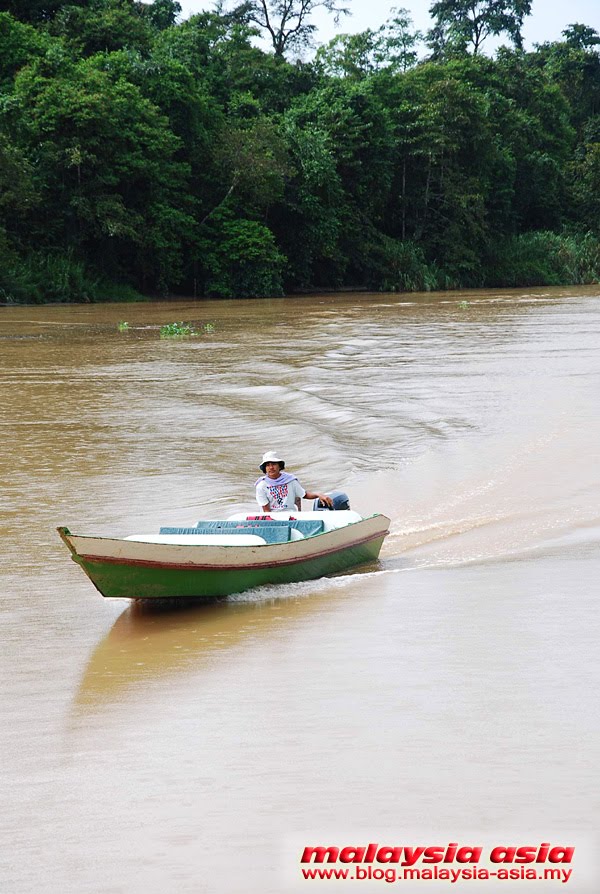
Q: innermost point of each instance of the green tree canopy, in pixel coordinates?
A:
(103, 26)
(391, 48)
(38, 10)
(105, 161)
(460, 23)
(21, 43)
(581, 36)
(180, 154)
(287, 23)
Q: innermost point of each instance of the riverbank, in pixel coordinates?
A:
(530, 260)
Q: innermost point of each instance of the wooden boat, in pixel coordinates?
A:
(218, 558)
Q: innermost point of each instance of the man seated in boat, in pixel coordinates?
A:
(279, 490)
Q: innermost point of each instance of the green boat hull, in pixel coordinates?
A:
(137, 581)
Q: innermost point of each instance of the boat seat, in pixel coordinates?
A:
(307, 527)
(269, 533)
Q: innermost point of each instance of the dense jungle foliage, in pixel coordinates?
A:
(144, 154)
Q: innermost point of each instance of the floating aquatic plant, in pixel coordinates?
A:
(463, 304)
(177, 330)
(122, 326)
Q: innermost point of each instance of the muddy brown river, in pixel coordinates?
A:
(447, 694)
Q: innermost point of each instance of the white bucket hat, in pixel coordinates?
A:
(271, 456)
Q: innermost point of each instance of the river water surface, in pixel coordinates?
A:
(447, 694)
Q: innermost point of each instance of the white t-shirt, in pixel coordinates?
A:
(279, 496)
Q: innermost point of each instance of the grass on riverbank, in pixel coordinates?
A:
(530, 259)
(545, 259)
(57, 279)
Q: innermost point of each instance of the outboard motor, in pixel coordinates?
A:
(339, 498)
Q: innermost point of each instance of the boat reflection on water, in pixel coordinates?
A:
(147, 643)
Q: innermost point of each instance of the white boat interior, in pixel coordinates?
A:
(254, 530)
